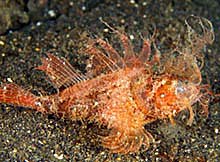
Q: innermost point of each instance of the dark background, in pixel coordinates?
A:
(29, 28)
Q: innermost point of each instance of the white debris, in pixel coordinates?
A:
(106, 30)
(132, 1)
(131, 37)
(2, 43)
(37, 103)
(39, 23)
(216, 130)
(83, 8)
(60, 157)
(51, 13)
(10, 80)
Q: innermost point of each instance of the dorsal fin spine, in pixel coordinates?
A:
(113, 54)
(60, 71)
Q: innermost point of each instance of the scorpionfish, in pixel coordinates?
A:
(123, 92)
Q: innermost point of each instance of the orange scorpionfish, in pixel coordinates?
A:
(135, 89)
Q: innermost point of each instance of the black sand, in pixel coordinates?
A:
(29, 29)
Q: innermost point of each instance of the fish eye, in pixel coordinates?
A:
(180, 88)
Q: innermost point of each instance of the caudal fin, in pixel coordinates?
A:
(15, 95)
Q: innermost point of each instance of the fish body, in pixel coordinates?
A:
(130, 94)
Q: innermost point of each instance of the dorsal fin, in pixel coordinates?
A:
(130, 57)
(144, 55)
(103, 60)
(60, 71)
(112, 53)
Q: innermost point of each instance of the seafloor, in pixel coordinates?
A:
(31, 28)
